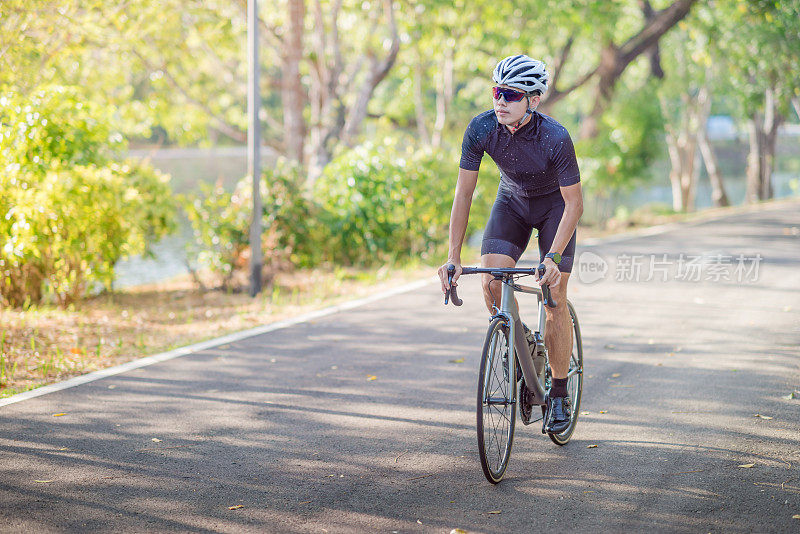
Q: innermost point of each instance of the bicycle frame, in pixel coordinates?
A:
(510, 312)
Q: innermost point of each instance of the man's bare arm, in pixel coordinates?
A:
(459, 216)
(573, 209)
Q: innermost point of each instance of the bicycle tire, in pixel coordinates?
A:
(575, 383)
(495, 390)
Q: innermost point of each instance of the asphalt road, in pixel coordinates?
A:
(290, 426)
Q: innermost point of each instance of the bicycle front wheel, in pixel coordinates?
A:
(496, 401)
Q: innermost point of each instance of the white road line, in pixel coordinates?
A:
(230, 338)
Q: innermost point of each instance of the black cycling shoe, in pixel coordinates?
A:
(559, 414)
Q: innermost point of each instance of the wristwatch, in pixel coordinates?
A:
(555, 256)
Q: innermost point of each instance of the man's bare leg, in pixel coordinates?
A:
(558, 331)
(500, 261)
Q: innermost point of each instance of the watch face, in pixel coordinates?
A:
(555, 256)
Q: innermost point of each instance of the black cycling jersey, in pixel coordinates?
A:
(536, 160)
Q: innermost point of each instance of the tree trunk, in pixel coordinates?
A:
(293, 93)
(754, 157)
(419, 103)
(444, 95)
(763, 130)
(718, 195)
(682, 144)
(772, 119)
(378, 69)
(615, 59)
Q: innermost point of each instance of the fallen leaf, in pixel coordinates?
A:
(793, 395)
(329, 476)
(796, 516)
(588, 491)
(762, 416)
(418, 521)
(452, 502)
(112, 386)
(372, 377)
(334, 367)
(273, 360)
(585, 413)
(156, 440)
(496, 512)
(58, 414)
(235, 507)
(747, 466)
(460, 360)
(591, 446)
(458, 531)
(43, 481)
(615, 375)
(603, 411)
(610, 346)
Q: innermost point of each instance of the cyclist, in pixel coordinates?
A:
(539, 188)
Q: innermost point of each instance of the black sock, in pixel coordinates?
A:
(559, 388)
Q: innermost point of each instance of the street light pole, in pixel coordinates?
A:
(254, 145)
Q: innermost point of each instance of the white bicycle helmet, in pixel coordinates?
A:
(523, 73)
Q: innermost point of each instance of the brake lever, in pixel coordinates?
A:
(547, 298)
(451, 293)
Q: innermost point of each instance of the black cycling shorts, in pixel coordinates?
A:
(512, 220)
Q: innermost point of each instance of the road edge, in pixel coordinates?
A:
(211, 343)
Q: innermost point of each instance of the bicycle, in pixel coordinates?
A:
(497, 391)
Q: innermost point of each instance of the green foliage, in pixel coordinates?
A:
(381, 203)
(628, 143)
(221, 223)
(54, 126)
(374, 204)
(64, 231)
(67, 212)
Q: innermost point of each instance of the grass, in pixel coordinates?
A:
(46, 344)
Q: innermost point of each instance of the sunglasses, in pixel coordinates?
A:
(509, 94)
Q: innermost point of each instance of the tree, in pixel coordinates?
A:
(759, 43)
(615, 58)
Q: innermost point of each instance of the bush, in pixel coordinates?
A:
(383, 204)
(221, 223)
(67, 213)
(373, 204)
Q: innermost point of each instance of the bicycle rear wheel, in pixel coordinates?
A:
(497, 402)
(575, 379)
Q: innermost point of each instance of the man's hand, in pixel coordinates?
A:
(552, 276)
(443, 274)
